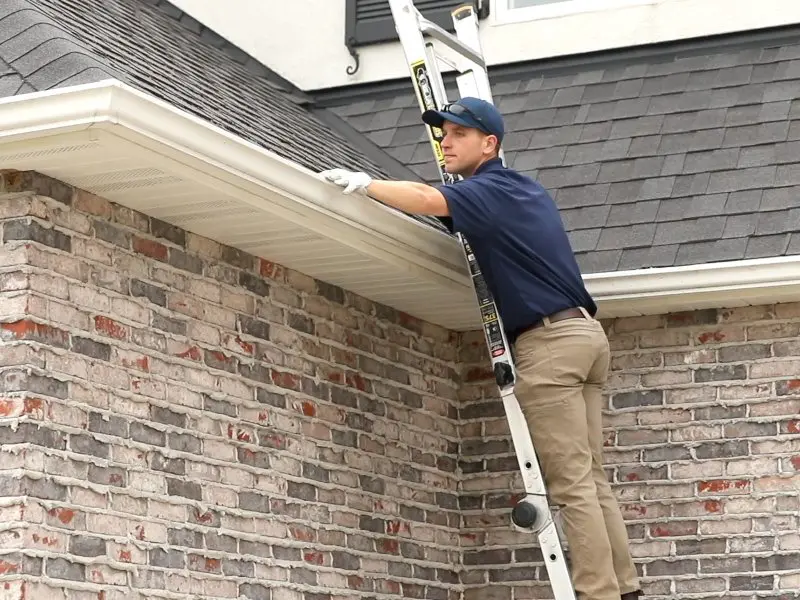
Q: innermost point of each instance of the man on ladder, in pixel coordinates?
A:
(532, 298)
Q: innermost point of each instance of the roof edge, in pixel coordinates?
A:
(366, 146)
(297, 193)
(294, 192)
(692, 287)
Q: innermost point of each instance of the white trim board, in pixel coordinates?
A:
(692, 287)
(117, 141)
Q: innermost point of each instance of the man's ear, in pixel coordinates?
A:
(494, 144)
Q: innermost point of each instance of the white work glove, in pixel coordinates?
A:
(349, 180)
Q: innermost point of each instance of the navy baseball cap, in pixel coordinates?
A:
(469, 112)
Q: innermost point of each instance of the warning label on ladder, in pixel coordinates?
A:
(422, 82)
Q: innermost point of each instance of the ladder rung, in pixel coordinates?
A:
(450, 41)
(448, 62)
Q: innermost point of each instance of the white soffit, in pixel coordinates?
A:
(133, 149)
(140, 152)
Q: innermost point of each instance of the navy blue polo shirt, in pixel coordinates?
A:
(516, 232)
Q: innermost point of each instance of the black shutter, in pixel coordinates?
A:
(370, 21)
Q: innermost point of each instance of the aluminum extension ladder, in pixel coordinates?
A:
(417, 35)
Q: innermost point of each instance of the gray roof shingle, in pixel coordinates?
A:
(684, 154)
(53, 43)
(154, 47)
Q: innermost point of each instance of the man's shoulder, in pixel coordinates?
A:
(500, 179)
(511, 178)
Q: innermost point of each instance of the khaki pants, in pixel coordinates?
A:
(562, 368)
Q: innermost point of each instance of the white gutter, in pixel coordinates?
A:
(724, 284)
(221, 159)
(274, 184)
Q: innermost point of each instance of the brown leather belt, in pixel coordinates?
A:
(570, 313)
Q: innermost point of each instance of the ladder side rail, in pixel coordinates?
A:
(476, 83)
(407, 24)
(466, 26)
(406, 19)
(429, 90)
(465, 23)
(532, 479)
(427, 82)
(436, 80)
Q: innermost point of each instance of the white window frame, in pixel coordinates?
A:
(503, 14)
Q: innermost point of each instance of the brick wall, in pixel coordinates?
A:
(181, 420)
(702, 447)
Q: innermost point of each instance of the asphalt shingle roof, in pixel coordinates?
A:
(675, 157)
(154, 47)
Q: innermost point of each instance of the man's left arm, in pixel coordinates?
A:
(407, 196)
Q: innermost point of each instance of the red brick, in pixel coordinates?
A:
(354, 582)
(387, 586)
(204, 564)
(332, 374)
(271, 270)
(240, 434)
(409, 322)
(8, 567)
(272, 440)
(141, 363)
(393, 527)
(721, 486)
(94, 205)
(390, 546)
(634, 511)
(65, 515)
(286, 380)
(673, 529)
(26, 329)
(710, 337)
(11, 407)
(302, 534)
(150, 248)
(356, 381)
(192, 353)
(110, 327)
(478, 374)
(247, 347)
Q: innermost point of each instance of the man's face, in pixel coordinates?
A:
(465, 148)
